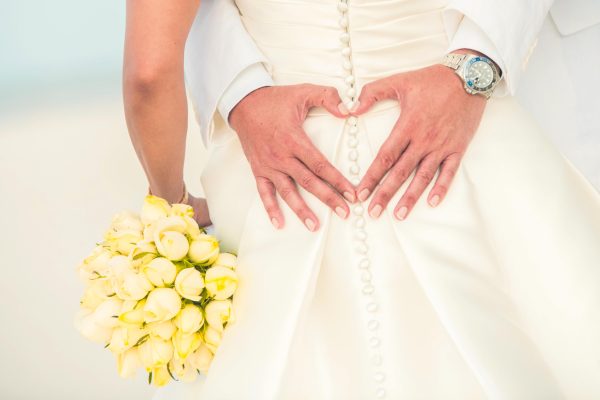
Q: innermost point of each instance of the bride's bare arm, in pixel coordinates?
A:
(154, 92)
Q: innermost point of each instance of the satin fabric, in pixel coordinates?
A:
(494, 294)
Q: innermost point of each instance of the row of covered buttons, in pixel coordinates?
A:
(360, 235)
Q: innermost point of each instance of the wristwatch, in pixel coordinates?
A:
(479, 74)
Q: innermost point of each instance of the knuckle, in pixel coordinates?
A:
(285, 192)
(320, 167)
(425, 175)
(306, 181)
(386, 159)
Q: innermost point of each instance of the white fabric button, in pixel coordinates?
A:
(352, 142)
(374, 341)
(354, 169)
(364, 263)
(359, 222)
(347, 65)
(342, 6)
(352, 120)
(362, 248)
(366, 276)
(376, 359)
(353, 130)
(380, 393)
(345, 37)
(353, 155)
(344, 22)
(350, 80)
(373, 324)
(368, 289)
(372, 307)
(355, 181)
(358, 210)
(351, 92)
(379, 376)
(361, 234)
(346, 51)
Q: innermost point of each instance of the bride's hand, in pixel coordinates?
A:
(268, 122)
(200, 207)
(437, 122)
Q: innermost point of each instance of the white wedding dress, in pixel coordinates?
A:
(494, 294)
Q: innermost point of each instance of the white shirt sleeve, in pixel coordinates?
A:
(248, 80)
(470, 36)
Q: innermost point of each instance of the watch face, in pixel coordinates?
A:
(479, 74)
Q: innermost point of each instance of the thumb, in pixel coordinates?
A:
(373, 92)
(328, 98)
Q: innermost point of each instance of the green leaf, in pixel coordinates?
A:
(170, 373)
(141, 340)
(149, 377)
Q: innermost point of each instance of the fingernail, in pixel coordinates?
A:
(310, 224)
(343, 109)
(275, 222)
(401, 214)
(435, 200)
(362, 196)
(354, 106)
(376, 211)
(349, 196)
(341, 212)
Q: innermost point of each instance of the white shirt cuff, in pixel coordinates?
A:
(250, 79)
(470, 36)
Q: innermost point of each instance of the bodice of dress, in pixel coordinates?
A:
(345, 44)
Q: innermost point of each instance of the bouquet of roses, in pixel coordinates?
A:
(158, 292)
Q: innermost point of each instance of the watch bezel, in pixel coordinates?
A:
(469, 85)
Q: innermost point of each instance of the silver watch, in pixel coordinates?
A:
(479, 74)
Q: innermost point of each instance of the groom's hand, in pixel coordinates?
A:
(269, 122)
(437, 121)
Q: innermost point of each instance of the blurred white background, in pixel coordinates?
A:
(66, 166)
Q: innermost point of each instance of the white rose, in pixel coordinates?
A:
(122, 241)
(155, 352)
(189, 283)
(154, 208)
(132, 286)
(170, 239)
(160, 271)
(192, 229)
(204, 249)
(212, 338)
(161, 305)
(189, 319)
(107, 313)
(226, 260)
(201, 358)
(128, 362)
(118, 266)
(126, 221)
(186, 343)
(163, 330)
(220, 282)
(133, 315)
(96, 292)
(86, 324)
(219, 312)
(95, 265)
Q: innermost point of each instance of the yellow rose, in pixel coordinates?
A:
(186, 343)
(189, 319)
(107, 313)
(154, 208)
(123, 241)
(204, 249)
(160, 271)
(124, 338)
(161, 305)
(181, 210)
(133, 316)
(192, 229)
(96, 292)
(219, 312)
(221, 282)
(155, 352)
(189, 283)
(212, 338)
(163, 330)
(226, 260)
(95, 265)
(201, 358)
(160, 376)
(86, 324)
(126, 221)
(182, 370)
(128, 362)
(170, 239)
(142, 253)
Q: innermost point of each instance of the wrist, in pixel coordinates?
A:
(179, 195)
(238, 111)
